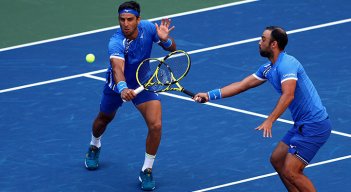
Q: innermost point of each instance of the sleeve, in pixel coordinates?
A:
(116, 48)
(288, 70)
(260, 73)
(151, 28)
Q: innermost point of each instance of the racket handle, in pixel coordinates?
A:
(139, 89)
(191, 94)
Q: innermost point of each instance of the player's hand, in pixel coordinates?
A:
(128, 94)
(201, 98)
(266, 126)
(164, 29)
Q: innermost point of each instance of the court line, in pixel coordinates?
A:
(115, 27)
(51, 81)
(193, 52)
(249, 113)
(258, 38)
(190, 52)
(269, 175)
(222, 106)
(89, 75)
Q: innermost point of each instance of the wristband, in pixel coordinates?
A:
(214, 94)
(167, 43)
(121, 86)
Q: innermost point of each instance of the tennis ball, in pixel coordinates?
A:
(90, 58)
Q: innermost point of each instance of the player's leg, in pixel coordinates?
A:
(293, 172)
(277, 159)
(304, 145)
(150, 107)
(152, 114)
(99, 126)
(109, 104)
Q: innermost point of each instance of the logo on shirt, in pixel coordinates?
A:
(127, 44)
(289, 75)
(266, 70)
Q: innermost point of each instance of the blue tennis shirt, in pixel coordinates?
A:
(306, 106)
(133, 52)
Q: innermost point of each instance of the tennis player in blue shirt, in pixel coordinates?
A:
(312, 126)
(128, 47)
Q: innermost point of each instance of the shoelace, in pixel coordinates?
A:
(92, 153)
(148, 176)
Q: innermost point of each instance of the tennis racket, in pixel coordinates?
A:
(161, 75)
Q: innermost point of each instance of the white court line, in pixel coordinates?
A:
(222, 106)
(115, 27)
(193, 52)
(249, 113)
(94, 77)
(89, 75)
(51, 81)
(190, 52)
(258, 38)
(269, 175)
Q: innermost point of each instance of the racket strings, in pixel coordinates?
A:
(159, 75)
(149, 75)
(164, 75)
(178, 65)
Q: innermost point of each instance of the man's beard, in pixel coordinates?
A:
(267, 54)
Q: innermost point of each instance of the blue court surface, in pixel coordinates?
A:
(49, 97)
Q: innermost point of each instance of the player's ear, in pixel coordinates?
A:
(138, 19)
(274, 44)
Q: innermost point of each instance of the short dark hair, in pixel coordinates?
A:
(278, 34)
(130, 5)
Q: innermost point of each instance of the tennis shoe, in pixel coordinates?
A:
(92, 158)
(147, 180)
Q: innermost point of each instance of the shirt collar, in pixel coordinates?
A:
(280, 57)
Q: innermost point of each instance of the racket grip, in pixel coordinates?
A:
(139, 89)
(192, 95)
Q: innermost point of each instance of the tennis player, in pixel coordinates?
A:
(128, 47)
(312, 126)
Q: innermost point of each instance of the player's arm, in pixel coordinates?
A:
(118, 75)
(288, 92)
(166, 42)
(241, 86)
(230, 90)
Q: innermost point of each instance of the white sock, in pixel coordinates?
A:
(95, 141)
(149, 161)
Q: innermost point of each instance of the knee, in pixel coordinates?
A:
(103, 119)
(273, 160)
(290, 175)
(276, 162)
(155, 127)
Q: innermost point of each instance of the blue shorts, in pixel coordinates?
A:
(111, 100)
(305, 140)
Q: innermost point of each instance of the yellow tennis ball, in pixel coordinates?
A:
(90, 58)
